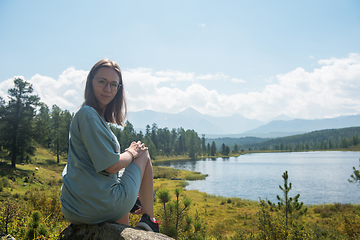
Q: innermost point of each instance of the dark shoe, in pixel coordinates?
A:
(147, 224)
(136, 206)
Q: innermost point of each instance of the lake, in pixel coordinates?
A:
(319, 177)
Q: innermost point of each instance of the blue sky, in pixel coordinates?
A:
(259, 59)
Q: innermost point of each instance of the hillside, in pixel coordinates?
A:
(322, 139)
(328, 136)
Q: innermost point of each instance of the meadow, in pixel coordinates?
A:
(30, 206)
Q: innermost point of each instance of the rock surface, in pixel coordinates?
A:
(108, 231)
(3, 236)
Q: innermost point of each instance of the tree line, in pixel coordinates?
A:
(166, 142)
(316, 140)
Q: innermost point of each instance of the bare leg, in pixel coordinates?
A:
(146, 192)
(124, 220)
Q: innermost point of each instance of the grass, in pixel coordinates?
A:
(222, 216)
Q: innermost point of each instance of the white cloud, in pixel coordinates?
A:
(175, 75)
(202, 25)
(236, 80)
(5, 85)
(217, 76)
(67, 91)
(328, 91)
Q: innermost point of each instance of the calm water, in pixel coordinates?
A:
(319, 177)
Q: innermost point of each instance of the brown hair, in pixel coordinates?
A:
(116, 110)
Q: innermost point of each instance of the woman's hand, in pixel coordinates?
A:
(137, 149)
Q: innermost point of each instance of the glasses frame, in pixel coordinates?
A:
(107, 83)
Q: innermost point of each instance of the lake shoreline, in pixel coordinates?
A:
(177, 158)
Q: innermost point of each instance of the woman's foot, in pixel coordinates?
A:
(148, 224)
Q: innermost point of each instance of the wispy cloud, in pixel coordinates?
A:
(236, 80)
(328, 91)
(202, 25)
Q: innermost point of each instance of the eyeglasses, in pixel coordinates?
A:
(102, 82)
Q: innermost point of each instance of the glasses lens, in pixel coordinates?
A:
(101, 82)
(114, 86)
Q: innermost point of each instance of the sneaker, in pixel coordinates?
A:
(147, 224)
(136, 206)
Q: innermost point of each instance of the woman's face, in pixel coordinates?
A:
(104, 85)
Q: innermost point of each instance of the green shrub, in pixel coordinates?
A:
(36, 229)
(324, 212)
(4, 182)
(16, 195)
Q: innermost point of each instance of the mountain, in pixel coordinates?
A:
(281, 117)
(298, 126)
(237, 126)
(192, 119)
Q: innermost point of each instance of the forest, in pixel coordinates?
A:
(316, 140)
(26, 122)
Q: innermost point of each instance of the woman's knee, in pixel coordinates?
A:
(143, 161)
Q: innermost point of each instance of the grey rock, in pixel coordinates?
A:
(3, 236)
(108, 231)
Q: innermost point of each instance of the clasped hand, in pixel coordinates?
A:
(137, 148)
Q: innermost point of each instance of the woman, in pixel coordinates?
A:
(93, 191)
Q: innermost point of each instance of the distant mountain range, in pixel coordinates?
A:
(237, 125)
(281, 128)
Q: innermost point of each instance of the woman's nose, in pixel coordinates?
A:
(107, 87)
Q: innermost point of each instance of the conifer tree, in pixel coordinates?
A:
(55, 131)
(356, 176)
(236, 148)
(43, 126)
(287, 203)
(213, 149)
(18, 120)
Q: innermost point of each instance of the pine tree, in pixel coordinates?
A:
(356, 176)
(55, 131)
(203, 144)
(236, 148)
(42, 126)
(213, 149)
(18, 120)
(287, 203)
(65, 118)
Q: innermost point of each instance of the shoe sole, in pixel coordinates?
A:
(144, 226)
